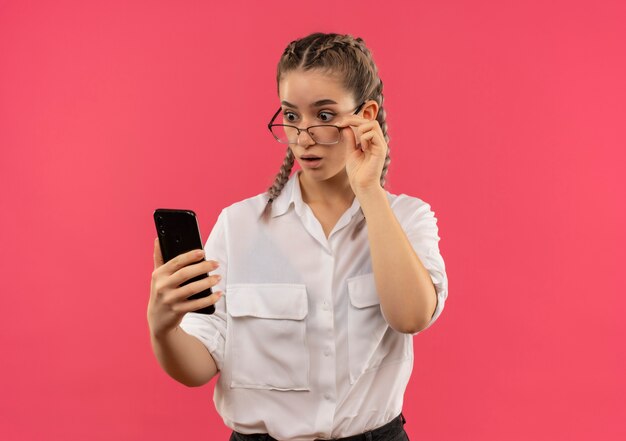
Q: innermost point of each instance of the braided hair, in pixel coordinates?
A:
(340, 54)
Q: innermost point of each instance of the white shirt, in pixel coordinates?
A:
(299, 337)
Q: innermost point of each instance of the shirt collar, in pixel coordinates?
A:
(287, 196)
(292, 194)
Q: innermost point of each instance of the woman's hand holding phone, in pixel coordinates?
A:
(168, 300)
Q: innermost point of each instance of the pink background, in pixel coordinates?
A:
(507, 117)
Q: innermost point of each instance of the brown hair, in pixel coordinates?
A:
(339, 54)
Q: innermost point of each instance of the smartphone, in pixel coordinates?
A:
(178, 233)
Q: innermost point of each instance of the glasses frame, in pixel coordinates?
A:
(270, 125)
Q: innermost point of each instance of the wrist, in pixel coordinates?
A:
(164, 333)
(373, 201)
(372, 194)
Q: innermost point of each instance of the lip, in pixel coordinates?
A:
(310, 163)
(310, 156)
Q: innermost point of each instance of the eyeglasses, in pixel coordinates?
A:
(322, 133)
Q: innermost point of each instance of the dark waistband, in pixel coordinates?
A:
(397, 422)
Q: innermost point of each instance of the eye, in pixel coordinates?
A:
(289, 116)
(326, 116)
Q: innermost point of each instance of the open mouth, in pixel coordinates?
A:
(311, 161)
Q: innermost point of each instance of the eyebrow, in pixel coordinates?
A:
(318, 103)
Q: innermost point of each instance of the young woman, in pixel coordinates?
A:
(325, 277)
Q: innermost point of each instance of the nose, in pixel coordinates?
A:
(304, 135)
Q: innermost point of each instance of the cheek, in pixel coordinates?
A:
(340, 154)
(295, 159)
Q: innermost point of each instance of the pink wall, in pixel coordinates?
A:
(507, 117)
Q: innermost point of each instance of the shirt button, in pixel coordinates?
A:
(327, 397)
(327, 352)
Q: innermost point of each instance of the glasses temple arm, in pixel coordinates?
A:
(269, 125)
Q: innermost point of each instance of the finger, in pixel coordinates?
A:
(191, 271)
(366, 139)
(184, 292)
(182, 260)
(353, 120)
(361, 126)
(195, 304)
(374, 137)
(366, 127)
(157, 256)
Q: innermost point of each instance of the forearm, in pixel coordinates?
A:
(407, 295)
(184, 357)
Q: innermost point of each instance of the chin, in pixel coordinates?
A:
(323, 173)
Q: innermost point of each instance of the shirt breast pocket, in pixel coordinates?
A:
(267, 342)
(371, 341)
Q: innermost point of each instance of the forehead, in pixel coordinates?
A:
(305, 87)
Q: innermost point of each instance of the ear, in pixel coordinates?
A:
(370, 110)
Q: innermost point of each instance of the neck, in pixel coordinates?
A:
(332, 191)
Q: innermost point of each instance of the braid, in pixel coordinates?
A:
(281, 179)
(335, 41)
(381, 118)
(289, 50)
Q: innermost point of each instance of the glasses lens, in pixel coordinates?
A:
(285, 134)
(320, 134)
(325, 134)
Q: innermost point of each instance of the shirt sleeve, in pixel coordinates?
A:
(210, 329)
(420, 226)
